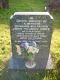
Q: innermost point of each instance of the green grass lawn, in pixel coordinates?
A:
(5, 43)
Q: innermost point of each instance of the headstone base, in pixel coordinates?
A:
(16, 72)
(20, 64)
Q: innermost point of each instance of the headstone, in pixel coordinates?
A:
(31, 37)
(53, 5)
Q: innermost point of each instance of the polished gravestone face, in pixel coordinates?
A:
(53, 5)
(30, 37)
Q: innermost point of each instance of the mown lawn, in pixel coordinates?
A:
(5, 43)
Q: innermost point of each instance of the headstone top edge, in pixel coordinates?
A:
(51, 16)
(31, 13)
(11, 16)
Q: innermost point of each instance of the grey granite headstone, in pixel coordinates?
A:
(53, 5)
(31, 27)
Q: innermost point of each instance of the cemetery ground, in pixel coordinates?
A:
(5, 43)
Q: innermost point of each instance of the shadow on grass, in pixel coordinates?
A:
(53, 74)
(34, 75)
(58, 70)
(4, 72)
(7, 74)
(58, 64)
(26, 75)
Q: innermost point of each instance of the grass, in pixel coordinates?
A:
(21, 5)
(5, 43)
(55, 45)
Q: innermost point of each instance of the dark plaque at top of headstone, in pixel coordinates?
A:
(31, 37)
(53, 5)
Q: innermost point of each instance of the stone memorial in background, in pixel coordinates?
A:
(4, 4)
(31, 38)
(53, 5)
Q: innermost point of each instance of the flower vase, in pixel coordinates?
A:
(30, 63)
